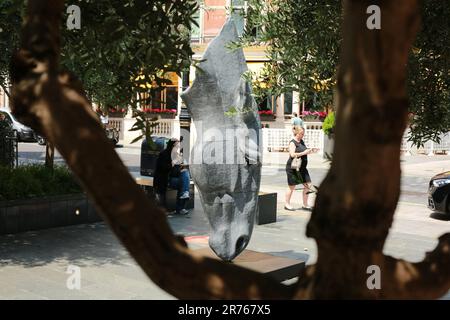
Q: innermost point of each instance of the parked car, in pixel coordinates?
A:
(439, 193)
(22, 132)
(111, 133)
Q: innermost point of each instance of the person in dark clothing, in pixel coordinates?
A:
(297, 148)
(169, 173)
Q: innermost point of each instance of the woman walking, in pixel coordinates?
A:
(297, 149)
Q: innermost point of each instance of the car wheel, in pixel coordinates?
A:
(41, 141)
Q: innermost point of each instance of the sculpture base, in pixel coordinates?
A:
(279, 268)
(267, 208)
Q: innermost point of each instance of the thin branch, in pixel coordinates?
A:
(5, 90)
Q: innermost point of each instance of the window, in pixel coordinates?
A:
(266, 103)
(162, 98)
(195, 32)
(288, 103)
(156, 101)
(237, 13)
(171, 97)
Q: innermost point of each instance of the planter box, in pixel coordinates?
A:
(328, 146)
(46, 212)
(312, 119)
(267, 208)
(162, 115)
(266, 118)
(117, 114)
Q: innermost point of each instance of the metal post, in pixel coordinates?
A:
(431, 153)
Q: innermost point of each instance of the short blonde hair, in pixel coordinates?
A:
(298, 129)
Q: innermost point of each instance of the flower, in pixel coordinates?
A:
(117, 110)
(314, 115)
(266, 112)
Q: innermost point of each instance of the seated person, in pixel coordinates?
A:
(171, 171)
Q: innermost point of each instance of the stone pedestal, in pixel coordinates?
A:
(279, 268)
(328, 146)
(267, 208)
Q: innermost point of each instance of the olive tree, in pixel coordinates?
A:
(355, 204)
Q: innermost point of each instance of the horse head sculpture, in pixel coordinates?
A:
(226, 158)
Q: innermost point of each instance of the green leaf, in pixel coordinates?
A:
(137, 139)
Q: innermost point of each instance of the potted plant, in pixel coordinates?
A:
(161, 113)
(266, 115)
(328, 129)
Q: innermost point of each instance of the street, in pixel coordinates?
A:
(417, 170)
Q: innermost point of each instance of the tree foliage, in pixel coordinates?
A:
(355, 206)
(429, 73)
(304, 38)
(303, 42)
(10, 21)
(124, 47)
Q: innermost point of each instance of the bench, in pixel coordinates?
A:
(276, 267)
(146, 183)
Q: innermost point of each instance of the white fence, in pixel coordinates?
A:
(165, 128)
(430, 148)
(117, 123)
(278, 139)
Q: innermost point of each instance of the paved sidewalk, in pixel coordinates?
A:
(33, 265)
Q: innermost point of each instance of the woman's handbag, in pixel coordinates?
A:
(295, 164)
(175, 171)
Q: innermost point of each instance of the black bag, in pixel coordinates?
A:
(175, 172)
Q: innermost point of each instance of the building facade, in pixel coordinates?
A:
(4, 101)
(210, 19)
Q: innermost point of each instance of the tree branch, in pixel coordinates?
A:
(52, 102)
(429, 279)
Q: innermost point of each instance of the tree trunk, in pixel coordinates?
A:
(49, 155)
(357, 200)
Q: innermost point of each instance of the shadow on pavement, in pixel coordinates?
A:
(290, 254)
(82, 245)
